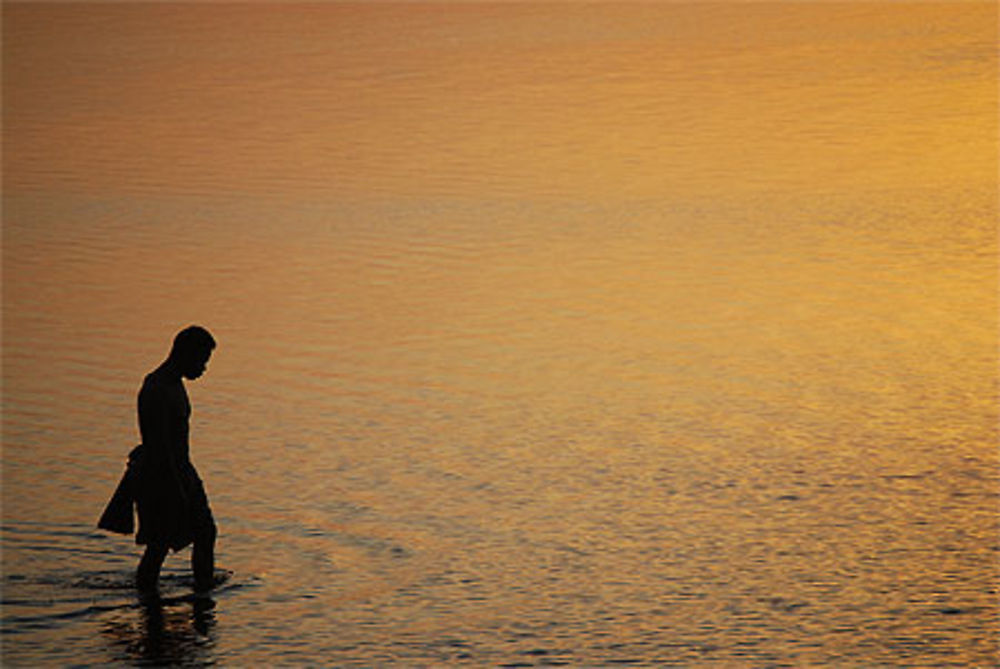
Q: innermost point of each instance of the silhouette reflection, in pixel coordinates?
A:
(162, 632)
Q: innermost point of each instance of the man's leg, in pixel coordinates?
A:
(203, 556)
(203, 551)
(148, 572)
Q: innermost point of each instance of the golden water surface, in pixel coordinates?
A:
(579, 334)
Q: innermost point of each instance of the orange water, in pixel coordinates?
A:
(585, 334)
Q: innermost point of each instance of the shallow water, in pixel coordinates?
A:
(549, 334)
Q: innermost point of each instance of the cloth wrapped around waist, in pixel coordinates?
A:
(171, 508)
(118, 514)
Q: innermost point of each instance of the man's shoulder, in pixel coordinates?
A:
(157, 381)
(153, 379)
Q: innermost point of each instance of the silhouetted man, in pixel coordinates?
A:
(168, 493)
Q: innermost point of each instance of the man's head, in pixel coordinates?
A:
(191, 350)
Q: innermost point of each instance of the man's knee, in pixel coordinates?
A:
(155, 553)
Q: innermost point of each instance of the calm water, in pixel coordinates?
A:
(549, 334)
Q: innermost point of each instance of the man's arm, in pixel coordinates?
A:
(154, 426)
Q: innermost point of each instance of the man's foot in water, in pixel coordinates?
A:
(204, 585)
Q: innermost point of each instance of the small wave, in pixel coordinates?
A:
(15, 624)
(41, 593)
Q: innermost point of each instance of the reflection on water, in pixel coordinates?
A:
(658, 334)
(164, 636)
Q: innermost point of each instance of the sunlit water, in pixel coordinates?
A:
(586, 335)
